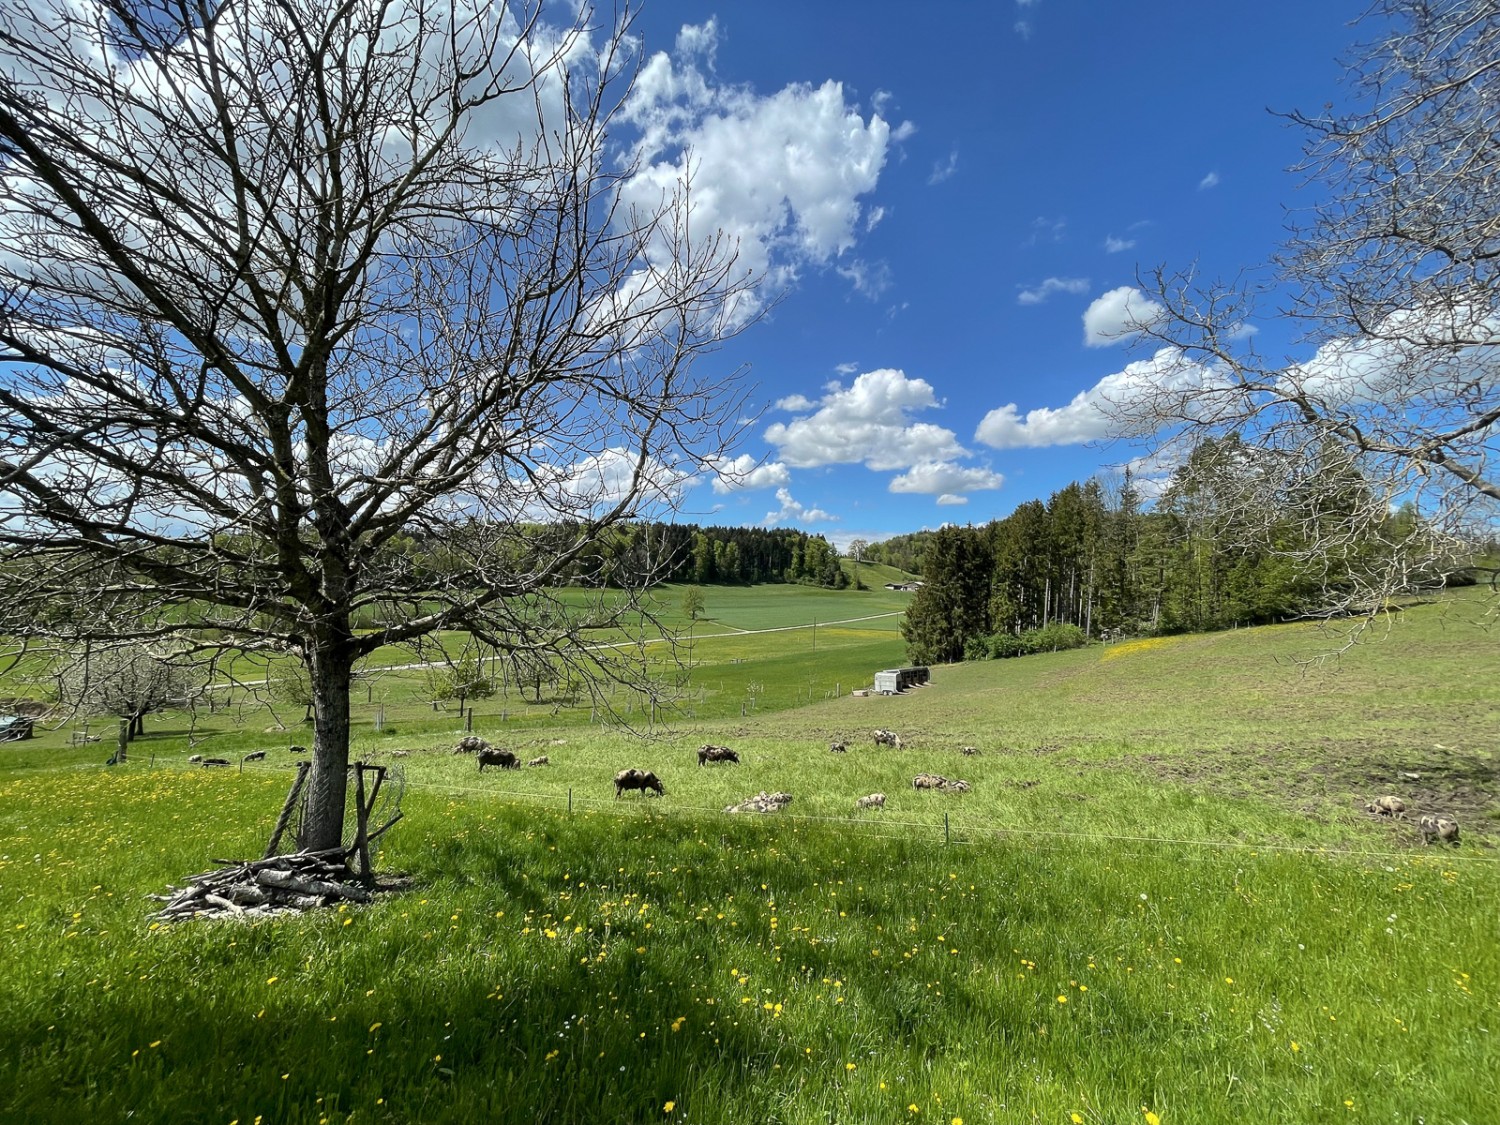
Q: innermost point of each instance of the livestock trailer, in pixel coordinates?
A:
(893, 680)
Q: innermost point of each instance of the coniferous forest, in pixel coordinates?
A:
(1095, 562)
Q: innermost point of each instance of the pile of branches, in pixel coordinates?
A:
(280, 884)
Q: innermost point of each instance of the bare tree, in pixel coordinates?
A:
(129, 683)
(1393, 280)
(314, 313)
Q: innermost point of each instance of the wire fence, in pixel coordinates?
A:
(960, 834)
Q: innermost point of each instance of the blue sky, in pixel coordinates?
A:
(953, 200)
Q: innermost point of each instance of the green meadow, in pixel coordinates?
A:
(1161, 901)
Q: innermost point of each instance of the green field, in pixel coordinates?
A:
(1161, 900)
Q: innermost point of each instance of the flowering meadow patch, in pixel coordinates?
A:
(606, 968)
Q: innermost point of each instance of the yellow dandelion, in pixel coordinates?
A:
(1061, 999)
(1152, 1119)
(1077, 1118)
(669, 1107)
(1296, 1046)
(848, 1066)
(913, 1108)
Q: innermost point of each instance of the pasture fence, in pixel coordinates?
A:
(957, 834)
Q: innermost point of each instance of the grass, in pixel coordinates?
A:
(1160, 897)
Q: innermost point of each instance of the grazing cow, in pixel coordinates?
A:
(644, 780)
(195, 758)
(493, 756)
(255, 756)
(838, 748)
(709, 753)
(873, 801)
(887, 738)
(1443, 828)
(937, 781)
(296, 750)
(1387, 806)
(542, 761)
(470, 744)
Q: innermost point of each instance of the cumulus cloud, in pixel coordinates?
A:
(744, 473)
(781, 174)
(793, 512)
(1118, 315)
(949, 498)
(1209, 181)
(943, 478)
(1113, 245)
(1040, 293)
(1088, 416)
(867, 422)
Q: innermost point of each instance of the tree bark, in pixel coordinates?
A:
(331, 672)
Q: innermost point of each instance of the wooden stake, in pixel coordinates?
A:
(286, 809)
(362, 823)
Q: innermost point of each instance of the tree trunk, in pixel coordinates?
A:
(327, 790)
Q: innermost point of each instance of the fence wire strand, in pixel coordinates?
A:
(956, 834)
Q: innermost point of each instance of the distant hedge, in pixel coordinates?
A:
(1056, 637)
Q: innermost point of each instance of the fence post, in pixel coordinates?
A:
(570, 800)
(945, 829)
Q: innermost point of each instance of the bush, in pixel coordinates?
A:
(1049, 638)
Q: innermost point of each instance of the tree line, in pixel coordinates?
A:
(644, 551)
(1217, 548)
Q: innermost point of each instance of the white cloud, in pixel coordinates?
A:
(1023, 28)
(936, 478)
(793, 512)
(1113, 245)
(944, 169)
(842, 369)
(903, 131)
(744, 473)
(700, 40)
(948, 499)
(782, 175)
(1044, 229)
(795, 403)
(868, 422)
(1087, 417)
(1209, 181)
(1118, 315)
(1053, 285)
(872, 220)
(870, 278)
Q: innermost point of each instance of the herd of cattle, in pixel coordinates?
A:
(645, 782)
(1431, 826)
